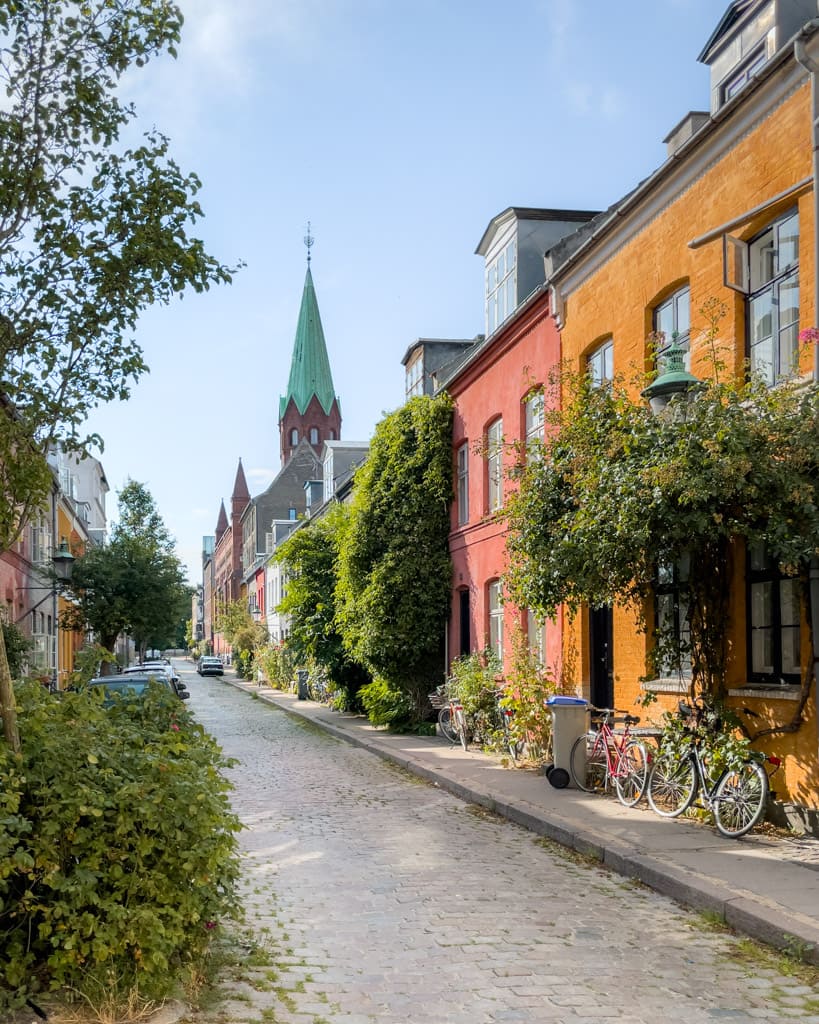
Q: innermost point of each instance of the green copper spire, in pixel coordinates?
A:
(310, 367)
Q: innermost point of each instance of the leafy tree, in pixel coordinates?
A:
(18, 647)
(243, 633)
(621, 492)
(311, 554)
(136, 584)
(92, 232)
(394, 566)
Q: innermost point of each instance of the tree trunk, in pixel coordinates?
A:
(8, 706)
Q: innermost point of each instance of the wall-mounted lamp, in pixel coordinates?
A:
(674, 380)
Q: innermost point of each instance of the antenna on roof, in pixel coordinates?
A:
(308, 241)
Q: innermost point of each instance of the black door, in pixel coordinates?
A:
(602, 657)
(463, 597)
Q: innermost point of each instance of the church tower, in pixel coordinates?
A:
(310, 410)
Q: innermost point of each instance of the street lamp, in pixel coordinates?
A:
(63, 562)
(674, 380)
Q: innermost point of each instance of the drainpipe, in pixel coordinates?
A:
(807, 38)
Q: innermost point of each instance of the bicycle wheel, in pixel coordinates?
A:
(587, 763)
(447, 725)
(740, 799)
(671, 785)
(632, 772)
(460, 725)
(513, 745)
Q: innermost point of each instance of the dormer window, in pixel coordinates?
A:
(415, 376)
(741, 78)
(501, 284)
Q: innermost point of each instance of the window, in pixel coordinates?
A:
(294, 437)
(495, 618)
(415, 376)
(672, 320)
(672, 632)
(600, 364)
(314, 435)
(462, 470)
(535, 419)
(774, 632)
(536, 636)
(494, 464)
(741, 77)
(766, 270)
(501, 284)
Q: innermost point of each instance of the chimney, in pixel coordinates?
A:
(682, 132)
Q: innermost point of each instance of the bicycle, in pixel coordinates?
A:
(736, 800)
(441, 703)
(506, 717)
(602, 756)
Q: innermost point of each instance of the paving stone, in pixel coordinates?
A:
(402, 905)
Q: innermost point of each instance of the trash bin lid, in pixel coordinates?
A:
(560, 698)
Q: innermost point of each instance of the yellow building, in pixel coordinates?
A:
(728, 218)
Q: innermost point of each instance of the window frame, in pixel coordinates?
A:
(534, 423)
(738, 275)
(602, 351)
(462, 482)
(682, 338)
(494, 465)
(414, 381)
(771, 574)
(494, 613)
(501, 286)
(673, 587)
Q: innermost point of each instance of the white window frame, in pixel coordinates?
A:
(534, 423)
(675, 312)
(494, 464)
(462, 473)
(501, 286)
(600, 363)
(738, 274)
(494, 605)
(415, 376)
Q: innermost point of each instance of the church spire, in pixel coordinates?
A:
(310, 409)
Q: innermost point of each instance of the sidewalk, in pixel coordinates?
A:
(765, 887)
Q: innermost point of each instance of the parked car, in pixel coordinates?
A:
(210, 666)
(155, 669)
(133, 683)
(160, 663)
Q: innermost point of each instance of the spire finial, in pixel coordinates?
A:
(308, 241)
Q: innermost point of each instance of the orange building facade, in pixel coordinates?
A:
(727, 222)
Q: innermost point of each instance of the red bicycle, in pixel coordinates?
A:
(602, 756)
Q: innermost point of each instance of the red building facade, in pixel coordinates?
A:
(499, 397)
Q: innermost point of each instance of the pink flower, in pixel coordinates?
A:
(809, 335)
(210, 925)
(175, 727)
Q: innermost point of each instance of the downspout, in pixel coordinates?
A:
(806, 60)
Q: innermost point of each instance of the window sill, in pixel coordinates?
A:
(678, 686)
(763, 692)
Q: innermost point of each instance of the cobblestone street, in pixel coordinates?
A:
(384, 899)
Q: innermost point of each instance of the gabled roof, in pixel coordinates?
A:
(310, 367)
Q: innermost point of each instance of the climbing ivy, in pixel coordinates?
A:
(394, 565)
(620, 492)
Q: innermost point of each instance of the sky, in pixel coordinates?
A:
(398, 129)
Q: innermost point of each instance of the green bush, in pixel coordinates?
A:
(118, 853)
(387, 706)
(278, 665)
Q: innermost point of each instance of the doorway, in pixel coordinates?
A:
(463, 616)
(601, 648)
